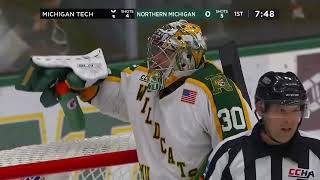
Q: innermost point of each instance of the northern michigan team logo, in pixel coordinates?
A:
(301, 173)
(219, 83)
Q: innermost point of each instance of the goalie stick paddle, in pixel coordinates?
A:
(232, 68)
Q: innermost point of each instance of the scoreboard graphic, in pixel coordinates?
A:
(143, 14)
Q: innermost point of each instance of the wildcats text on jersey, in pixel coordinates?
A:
(168, 151)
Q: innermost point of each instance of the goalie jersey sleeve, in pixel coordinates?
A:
(110, 98)
(225, 112)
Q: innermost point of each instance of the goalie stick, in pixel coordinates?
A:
(232, 68)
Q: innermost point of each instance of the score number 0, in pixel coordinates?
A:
(208, 14)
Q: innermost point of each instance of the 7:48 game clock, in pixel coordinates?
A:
(265, 14)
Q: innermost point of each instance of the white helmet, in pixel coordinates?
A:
(177, 46)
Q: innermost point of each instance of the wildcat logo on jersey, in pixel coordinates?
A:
(220, 82)
(301, 173)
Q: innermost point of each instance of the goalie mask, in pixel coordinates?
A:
(176, 47)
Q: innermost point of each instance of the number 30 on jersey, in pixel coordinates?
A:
(232, 118)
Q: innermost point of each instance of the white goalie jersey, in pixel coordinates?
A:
(176, 128)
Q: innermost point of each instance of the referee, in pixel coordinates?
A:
(274, 149)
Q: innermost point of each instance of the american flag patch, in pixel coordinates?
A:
(189, 96)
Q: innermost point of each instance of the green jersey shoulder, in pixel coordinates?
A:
(227, 101)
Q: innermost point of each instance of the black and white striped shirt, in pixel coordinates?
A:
(246, 157)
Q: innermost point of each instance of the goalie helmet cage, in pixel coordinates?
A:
(66, 156)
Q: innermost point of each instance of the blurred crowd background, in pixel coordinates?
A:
(23, 33)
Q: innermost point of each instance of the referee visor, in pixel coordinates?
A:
(302, 110)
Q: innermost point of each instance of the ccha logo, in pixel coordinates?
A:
(301, 173)
(144, 78)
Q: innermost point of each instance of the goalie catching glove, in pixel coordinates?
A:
(80, 73)
(61, 78)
